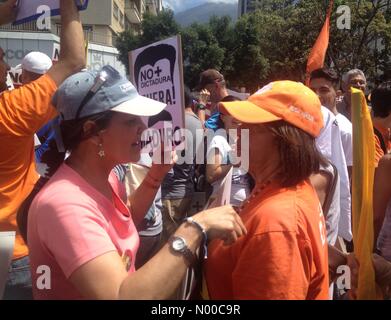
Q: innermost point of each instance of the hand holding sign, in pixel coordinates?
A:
(30, 10)
(8, 11)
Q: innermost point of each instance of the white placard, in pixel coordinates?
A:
(9, 82)
(156, 71)
(15, 74)
(30, 10)
(56, 52)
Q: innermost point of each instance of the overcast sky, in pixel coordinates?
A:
(181, 5)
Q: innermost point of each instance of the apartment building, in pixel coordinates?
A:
(104, 19)
(102, 22)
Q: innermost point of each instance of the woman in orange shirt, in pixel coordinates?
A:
(284, 254)
(381, 108)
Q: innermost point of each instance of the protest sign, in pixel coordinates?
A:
(9, 82)
(56, 52)
(15, 74)
(7, 242)
(31, 10)
(156, 71)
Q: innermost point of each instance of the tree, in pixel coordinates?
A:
(273, 42)
(201, 51)
(154, 28)
(250, 66)
(366, 44)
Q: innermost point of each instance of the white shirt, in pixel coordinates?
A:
(329, 144)
(346, 129)
(240, 189)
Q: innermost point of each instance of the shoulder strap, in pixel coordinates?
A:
(382, 143)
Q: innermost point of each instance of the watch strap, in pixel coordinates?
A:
(186, 252)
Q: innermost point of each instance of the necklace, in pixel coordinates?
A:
(256, 192)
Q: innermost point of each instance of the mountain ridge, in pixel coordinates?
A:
(204, 12)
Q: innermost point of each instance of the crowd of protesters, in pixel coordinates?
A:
(112, 223)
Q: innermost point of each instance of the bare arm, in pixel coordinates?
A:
(105, 276)
(7, 12)
(215, 170)
(320, 183)
(72, 56)
(143, 197)
(381, 193)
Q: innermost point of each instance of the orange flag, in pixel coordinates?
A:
(318, 52)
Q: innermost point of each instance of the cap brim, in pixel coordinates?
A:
(140, 106)
(247, 112)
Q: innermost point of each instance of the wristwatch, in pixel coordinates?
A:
(179, 245)
(200, 106)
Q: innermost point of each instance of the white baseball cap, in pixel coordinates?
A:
(37, 62)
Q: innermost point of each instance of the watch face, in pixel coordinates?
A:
(178, 244)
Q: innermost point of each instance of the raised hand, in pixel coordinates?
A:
(204, 97)
(8, 12)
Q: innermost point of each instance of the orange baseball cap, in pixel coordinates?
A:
(289, 101)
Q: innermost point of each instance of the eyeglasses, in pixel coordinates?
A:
(107, 74)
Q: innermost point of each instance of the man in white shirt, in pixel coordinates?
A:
(325, 83)
(330, 145)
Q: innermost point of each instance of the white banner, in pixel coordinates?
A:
(30, 10)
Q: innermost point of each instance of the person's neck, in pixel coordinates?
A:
(383, 122)
(265, 171)
(92, 170)
(334, 109)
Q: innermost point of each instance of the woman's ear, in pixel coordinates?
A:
(90, 132)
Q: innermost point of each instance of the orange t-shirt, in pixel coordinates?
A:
(23, 112)
(284, 256)
(379, 153)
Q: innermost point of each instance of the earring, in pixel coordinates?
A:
(101, 153)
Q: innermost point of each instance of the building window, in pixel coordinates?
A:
(88, 32)
(121, 19)
(115, 11)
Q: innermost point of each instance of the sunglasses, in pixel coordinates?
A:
(107, 74)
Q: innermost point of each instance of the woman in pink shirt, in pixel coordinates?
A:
(82, 237)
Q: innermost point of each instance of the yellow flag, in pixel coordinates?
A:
(362, 193)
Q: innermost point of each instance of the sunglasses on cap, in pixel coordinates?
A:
(107, 74)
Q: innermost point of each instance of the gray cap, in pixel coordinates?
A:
(116, 93)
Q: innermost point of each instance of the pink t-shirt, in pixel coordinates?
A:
(71, 223)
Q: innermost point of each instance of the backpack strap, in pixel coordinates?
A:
(382, 142)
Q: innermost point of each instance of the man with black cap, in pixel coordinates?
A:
(212, 86)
